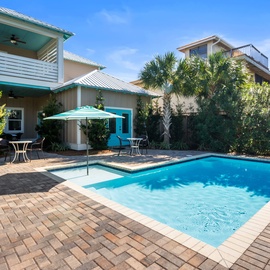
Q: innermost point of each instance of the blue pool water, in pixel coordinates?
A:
(208, 198)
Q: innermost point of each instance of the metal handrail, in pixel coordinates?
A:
(250, 51)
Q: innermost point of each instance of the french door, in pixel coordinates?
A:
(119, 126)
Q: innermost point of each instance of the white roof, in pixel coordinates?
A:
(100, 80)
(214, 38)
(22, 17)
(76, 58)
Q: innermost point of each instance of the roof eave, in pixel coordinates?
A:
(66, 34)
(64, 88)
(204, 40)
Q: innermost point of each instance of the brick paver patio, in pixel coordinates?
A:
(46, 225)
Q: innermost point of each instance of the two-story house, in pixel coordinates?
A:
(257, 62)
(33, 64)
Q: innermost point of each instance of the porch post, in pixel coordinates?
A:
(79, 104)
(60, 59)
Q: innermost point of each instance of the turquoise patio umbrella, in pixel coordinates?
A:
(83, 113)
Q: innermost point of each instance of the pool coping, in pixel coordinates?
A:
(226, 254)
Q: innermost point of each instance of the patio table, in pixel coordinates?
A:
(134, 145)
(20, 147)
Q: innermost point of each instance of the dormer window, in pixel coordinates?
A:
(200, 51)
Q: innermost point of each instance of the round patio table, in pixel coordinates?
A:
(20, 147)
(134, 145)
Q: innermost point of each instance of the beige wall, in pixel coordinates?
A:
(74, 69)
(186, 102)
(69, 98)
(88, 97)
(31, 107)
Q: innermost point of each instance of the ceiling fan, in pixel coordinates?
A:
(14, 40)
(12, 95)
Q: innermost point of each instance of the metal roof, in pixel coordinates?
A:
(22, 17)
(214, 38)
(100, 80)
(76, 58)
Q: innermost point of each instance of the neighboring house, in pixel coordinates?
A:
(33, 64)
(187, 104)
(257, 63)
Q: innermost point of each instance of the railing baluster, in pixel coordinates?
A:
(22, 67)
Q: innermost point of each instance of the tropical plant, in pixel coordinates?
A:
(99, 132)
(216, 83)
(140, 117)
(159, 73)
(3, 114)
(50, 129)
(254, 132)
(153, 122)
(177, 130)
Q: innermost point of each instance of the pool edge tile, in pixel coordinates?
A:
(226, 254)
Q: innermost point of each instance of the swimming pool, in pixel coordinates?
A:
(208, 198)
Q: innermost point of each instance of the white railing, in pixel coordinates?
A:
(27, 68)
(251, 52)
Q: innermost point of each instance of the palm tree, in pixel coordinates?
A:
(159, 73)
(216, 83)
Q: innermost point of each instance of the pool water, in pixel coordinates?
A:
(208, 198)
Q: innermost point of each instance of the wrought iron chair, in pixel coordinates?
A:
(144, 143)
(121, 145)
(5, 148)
(36, 146)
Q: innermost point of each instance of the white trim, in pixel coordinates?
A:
(22, 120)
(60, 59)
(78, 147)
(79, 100)
(34, 83)
(29, 26)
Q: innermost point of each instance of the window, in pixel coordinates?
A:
(125, 123)
(112, 125)
(199, 51)
(14, 120)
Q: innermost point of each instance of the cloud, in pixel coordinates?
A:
(115, 17)
(125, 57)
(90, 51)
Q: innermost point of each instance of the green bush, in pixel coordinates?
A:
(3, 114)
(254, 132)
(98, 131)
(58, 147)
(50, 129)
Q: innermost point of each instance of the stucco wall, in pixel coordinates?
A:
(73, 69)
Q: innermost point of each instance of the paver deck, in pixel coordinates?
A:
(46, 225)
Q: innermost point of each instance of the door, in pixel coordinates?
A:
(119, 126)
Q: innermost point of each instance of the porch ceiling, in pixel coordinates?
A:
(23, 91)
(34, 41)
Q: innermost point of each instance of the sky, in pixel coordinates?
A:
(124, 35)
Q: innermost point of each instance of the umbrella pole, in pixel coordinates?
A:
(87, 146)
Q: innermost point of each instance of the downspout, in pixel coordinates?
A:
(214, 45)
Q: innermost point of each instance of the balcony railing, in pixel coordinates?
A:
(250, 51)
(28, 68)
